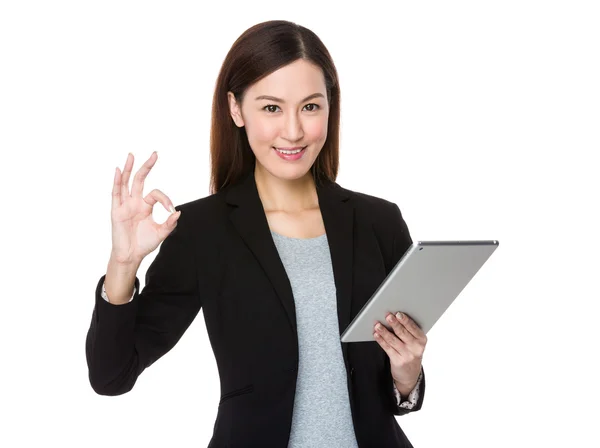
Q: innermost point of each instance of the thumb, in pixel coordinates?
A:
(167, 227)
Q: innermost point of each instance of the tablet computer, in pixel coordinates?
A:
(423, 284)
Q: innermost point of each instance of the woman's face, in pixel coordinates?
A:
(287, 109)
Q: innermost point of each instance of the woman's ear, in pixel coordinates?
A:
(234, 110)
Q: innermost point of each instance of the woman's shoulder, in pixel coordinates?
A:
(202, 212)
(200, 204)
(369, 203)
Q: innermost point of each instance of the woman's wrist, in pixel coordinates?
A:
(404, 389)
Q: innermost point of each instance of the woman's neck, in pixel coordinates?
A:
(285, 195)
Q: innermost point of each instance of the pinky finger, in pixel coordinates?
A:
(116, 191)
(384, 345)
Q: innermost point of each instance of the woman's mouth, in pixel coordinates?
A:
(290, 154)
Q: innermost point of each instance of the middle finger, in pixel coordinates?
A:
(399, 329)
(125, 177)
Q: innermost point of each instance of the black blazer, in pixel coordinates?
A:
(221, 257)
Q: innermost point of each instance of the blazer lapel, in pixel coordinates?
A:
(250, 221)
(338, 216)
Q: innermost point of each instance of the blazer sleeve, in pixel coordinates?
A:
(105, 297)
(400, 244)
(123, 340)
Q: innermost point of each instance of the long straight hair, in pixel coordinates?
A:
(259, 51)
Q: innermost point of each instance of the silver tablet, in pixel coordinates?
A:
(423, 284)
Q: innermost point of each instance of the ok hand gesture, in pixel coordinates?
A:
(134, 232)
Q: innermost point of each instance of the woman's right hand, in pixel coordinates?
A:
(134, 232)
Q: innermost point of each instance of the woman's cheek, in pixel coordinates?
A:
(260, 133)
(267, 133)
(318, 132)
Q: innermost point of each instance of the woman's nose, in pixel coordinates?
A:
(293, 128)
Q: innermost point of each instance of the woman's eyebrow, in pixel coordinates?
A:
(279, 100)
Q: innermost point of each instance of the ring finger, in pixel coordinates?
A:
(390, 338)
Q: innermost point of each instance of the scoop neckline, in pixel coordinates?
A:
(298, 239)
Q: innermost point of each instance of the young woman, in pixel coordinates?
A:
(279, 257)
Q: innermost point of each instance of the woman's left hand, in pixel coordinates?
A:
(405, 347)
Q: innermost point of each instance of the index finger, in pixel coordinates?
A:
(138, 180)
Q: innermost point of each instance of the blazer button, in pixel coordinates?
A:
(352, 371)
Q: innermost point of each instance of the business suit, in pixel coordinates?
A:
(221, 257)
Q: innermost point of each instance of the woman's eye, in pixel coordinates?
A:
(269, 108)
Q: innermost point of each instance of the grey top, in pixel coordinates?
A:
(322, 416)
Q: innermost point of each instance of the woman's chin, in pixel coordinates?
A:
(286, 172)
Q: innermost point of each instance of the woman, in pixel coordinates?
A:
(279, 257)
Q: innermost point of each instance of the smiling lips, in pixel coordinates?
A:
(293, 153)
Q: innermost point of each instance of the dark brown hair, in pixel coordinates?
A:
(259, 51)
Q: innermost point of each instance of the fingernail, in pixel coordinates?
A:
(172, 209)
(399, 315)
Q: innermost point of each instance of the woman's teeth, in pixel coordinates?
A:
(289, 152)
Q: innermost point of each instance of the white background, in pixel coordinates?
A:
(479, 119)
